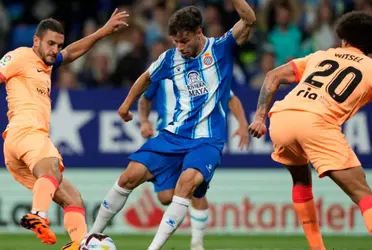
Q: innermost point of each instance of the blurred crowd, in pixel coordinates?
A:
(285, 29)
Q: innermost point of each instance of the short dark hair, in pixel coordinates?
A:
(49, 24)
(185, 19)
(356, 28)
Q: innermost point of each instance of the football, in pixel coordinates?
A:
(97, 241)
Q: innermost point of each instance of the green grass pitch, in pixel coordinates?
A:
(212, 242)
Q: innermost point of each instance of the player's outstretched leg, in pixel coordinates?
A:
(303, 202)
(189, 180)
(353, 182)
(69, 198)
(48, 174)
(199, 214)
(115, 199)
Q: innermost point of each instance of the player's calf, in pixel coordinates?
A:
(187, 183)
(48, 174)
(115, 199)
(69, 198)
(353, 182)
(303, 203)
(199, 214)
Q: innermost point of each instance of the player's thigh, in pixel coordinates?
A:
(204, 158)
(197, 170)
(18, 169)
(352, 181)
(20, 172)
(165, 190)
(34, 147)
(327, 148)
(159, 160)
(68, 195)
(283, 134)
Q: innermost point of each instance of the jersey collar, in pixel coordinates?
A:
(353, 49)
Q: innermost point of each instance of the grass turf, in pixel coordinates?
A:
(212, 242)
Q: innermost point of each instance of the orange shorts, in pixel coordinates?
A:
(23, 149)
(299, 137)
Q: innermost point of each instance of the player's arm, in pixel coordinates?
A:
(144, 108)
(242, 28)
(285, 74)
(237, 109)
(80, 47)
(157, 71)
(135, 92)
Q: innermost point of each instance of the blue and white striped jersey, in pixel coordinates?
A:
(165, 99)
(201, 87)
(163, 96)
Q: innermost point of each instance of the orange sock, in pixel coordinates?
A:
(75, 223)
(44, 189)
(304, 205)
(365, 206)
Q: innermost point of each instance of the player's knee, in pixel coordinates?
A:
(134, 175)
(128, 180)
(165, 197)
(50, 167)
(74, 201)
(189, 180)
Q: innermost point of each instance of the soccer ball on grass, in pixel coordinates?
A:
(97, 241)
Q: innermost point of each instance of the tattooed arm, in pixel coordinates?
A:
(282, 75)
(243, 27)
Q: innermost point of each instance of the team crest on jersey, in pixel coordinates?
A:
(195, 84)
(208, 59)
(5, 60)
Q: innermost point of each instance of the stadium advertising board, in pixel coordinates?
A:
(88, 131)
(241, 202)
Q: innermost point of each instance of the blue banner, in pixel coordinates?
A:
(88, 131)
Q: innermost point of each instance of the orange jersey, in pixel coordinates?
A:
(334, 84)
(28, 84)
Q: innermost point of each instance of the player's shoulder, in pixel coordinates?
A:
(14, 56)
(222, 38)
(166, 55)
(17, 53)
(23, 51)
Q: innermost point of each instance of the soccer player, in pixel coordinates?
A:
(163, 94)
(201, 69)
(306, 126)
(30, 155)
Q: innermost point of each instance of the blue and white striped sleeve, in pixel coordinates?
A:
(228, 42)
(231, 94)
(150, 93)
(160, 69)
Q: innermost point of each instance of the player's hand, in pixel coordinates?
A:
(257, 128)
(126, 115)
(242, 132)
(115, 22)
(147, 130)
